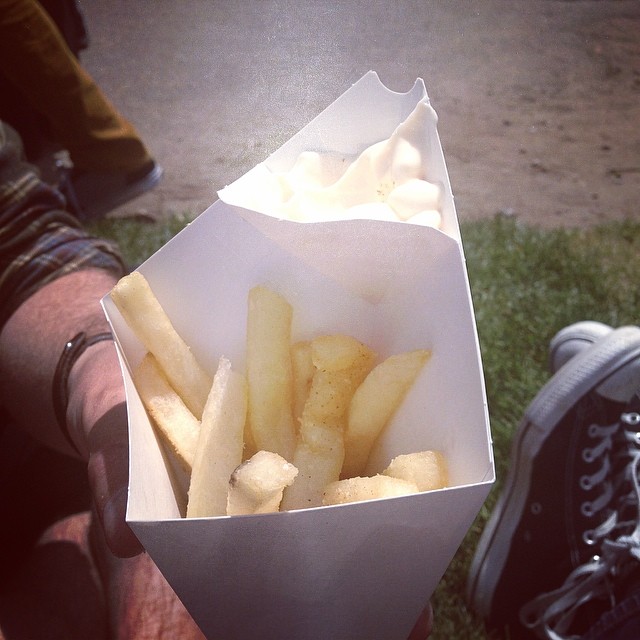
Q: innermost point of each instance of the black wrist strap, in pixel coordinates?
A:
(73, 349)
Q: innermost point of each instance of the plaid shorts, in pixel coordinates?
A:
(39, 240)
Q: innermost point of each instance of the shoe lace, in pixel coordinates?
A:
(601, 477)
(551, 614)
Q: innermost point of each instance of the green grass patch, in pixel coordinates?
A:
(526, 284)
(139, 239)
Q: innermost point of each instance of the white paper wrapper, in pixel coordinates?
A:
(353, 571)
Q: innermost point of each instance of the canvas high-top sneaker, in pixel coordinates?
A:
(557, 501)
(592, 592)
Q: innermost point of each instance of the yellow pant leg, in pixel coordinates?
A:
(36, 59)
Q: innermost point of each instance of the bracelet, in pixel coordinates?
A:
(73, 349)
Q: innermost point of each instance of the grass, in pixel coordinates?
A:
(526, 285)
(139, 239)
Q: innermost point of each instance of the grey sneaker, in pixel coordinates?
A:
(559, 493)
(93, 194)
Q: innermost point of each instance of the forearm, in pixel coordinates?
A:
(31, 343)
(53, 275)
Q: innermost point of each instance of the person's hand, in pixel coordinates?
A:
(97, 418)
(109, 477)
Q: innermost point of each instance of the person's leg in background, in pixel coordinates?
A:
(111, 162)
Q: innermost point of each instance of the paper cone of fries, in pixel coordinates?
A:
(362, 570)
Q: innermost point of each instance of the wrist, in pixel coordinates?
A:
(95, 386)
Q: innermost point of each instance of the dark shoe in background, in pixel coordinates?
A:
(94, 193)
(559, 498)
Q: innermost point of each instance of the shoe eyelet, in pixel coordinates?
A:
(587, 455)
(588, 538)
(585, 483)
(587, 509)
(536, 508)
(630, 418)
(592, 431)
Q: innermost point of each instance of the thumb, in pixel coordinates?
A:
(108, 471)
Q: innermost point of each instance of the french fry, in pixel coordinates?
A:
(303, 371)
(426, 469)
(220, 443)
(318, 457)
(338, 352)
(269, 372)
(341, 364)
(375, 402)
(176, 425)
(359, 489)
(328, 386)
(256, 486)
(146, 317)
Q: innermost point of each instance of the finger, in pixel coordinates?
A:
(108, 470)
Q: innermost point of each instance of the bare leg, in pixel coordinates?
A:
(141, 604)
(57, 595)
(72, 587)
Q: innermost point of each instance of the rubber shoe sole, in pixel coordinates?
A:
(573, 339)
(532, 540)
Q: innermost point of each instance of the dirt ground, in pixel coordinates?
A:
(564, 150)
(538, 100)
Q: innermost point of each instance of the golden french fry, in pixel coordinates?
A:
(364, 488)
(249, 444)
(426, 469)
(339, 352)
(141, 310)
(220, 443)
(318, 457)
(341, 364)
(328, 386)
(256, 486)
(269, 372)
(303, 371)
(177, 426)
(375, 402)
